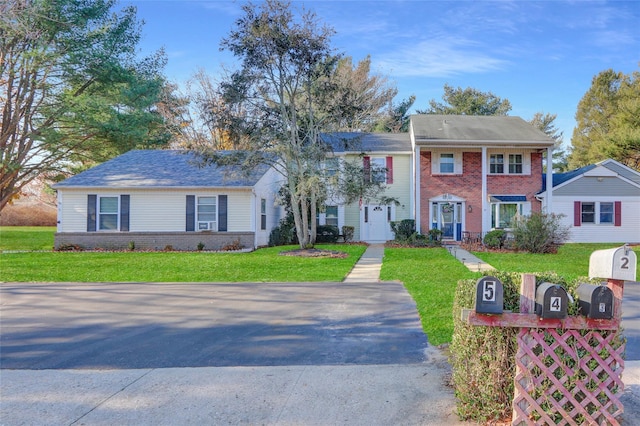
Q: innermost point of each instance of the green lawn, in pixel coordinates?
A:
(430, 276)
(264, 265)
(571, 261)
(26, 237)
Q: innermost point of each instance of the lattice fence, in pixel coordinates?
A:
(568, 377)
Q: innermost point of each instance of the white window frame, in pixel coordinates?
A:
(515, 165)
(263, 214)
(212, 224)
(503, 161)
(597, 213)
(494, 164)
(450, 162)
(495, 212)
(100, 213)
(436, 159)
(378, 169)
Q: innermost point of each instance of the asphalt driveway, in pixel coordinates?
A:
(143, 325)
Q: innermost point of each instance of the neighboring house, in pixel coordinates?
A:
(600, 202)
(475, 173)
(154, 199)
(387, 158)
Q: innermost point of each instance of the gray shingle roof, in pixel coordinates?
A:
(161, 169)
(343, 142)
(485, 130)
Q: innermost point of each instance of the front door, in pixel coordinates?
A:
(447, 219)
(375, 223)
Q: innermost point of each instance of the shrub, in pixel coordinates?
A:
(132, 245)
(233, 246)
(200, 246)
(403, 229)
(284, 233)
(435, 234)
(483, 358)
(327, 234)
(495, 239)
(347, 233)
(540, 233)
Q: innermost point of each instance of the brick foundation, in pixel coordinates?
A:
(181, 241)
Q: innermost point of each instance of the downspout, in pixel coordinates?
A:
(549, 197)
(415, 192)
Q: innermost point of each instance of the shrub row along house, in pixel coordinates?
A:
(463, 175)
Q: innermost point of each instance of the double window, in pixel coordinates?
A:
(515, 164)
(599, 213)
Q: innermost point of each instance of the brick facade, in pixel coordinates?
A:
(181, 241)
(468, 186)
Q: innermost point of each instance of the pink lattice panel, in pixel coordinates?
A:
(568, 377)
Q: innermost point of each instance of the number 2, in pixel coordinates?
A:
(625, 263)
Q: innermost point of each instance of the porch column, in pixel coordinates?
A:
(549, 197)
(486, 213)
(415, 193)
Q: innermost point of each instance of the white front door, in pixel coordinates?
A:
(375, 223)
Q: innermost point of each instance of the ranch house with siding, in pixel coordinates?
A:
(155, 199)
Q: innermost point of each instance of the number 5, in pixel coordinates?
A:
(489, 294)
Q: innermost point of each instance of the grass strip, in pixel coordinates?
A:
(430, 276)
(263, 265)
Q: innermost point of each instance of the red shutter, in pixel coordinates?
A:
(577, 213)
(389, 169)
(366, 164)
(617, 213)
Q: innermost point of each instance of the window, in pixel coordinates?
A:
(446, 163)
(378, 170)
(606, 212)
(597, 213)
(588, 213)
(206, 213)
(331, 166)
(504, 214)
(496, 163)
(515, 163)
(331, 216)
(263, 214)
(108, 214)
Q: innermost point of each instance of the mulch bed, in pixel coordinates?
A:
(314, 253)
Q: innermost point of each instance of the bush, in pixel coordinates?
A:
(347, 233)
(435, 234)
(484, 358)
(403, 229)
(235, 245)
(284, 233)
(540, 233)
(495, 239)
(327, 234)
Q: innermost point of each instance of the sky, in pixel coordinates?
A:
(540, 55)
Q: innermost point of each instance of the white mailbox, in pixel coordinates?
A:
(616, 263)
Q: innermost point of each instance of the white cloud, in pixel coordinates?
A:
(440, 57)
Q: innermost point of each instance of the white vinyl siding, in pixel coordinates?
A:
(628, 232)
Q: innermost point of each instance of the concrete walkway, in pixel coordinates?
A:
(367, 269)
(473, 263)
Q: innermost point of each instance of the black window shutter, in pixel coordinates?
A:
(222, 213)
(191, 213)
(124, 213)
(92, 201)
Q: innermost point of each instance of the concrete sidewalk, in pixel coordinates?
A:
(473, 263)
(367, 269)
